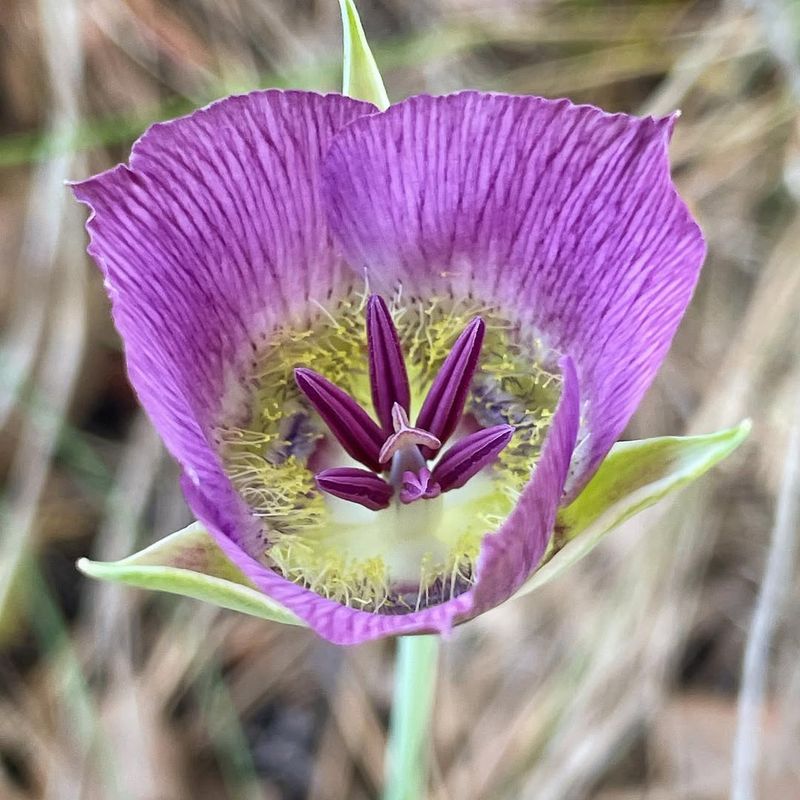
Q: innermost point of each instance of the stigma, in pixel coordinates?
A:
(395, 453)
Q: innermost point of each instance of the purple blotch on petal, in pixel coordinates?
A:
(387, 368)
(467, 457)
(347, 421)
(357, 485)
(511, 554)
(444, 404)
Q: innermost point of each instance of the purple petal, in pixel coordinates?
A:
(387, 367)
(357, 485)
(346, 420)
(210, 238)
(467, 457)
(444, 404)
(562, 215)
(507, 557)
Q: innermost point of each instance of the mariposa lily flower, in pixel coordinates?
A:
(386, 348)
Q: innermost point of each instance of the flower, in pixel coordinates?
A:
(496, 277)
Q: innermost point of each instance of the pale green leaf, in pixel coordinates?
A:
(190, 563)
(361, 78)
(635, 475)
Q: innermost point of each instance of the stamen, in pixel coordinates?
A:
(357, 485)
(347, 421)
(387, 368)
(444, 405)
(405, 436)
(418, 486)
(467, 457)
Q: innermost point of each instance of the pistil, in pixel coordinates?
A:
(405, 435)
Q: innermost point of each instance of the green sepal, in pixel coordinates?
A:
(190, 563)
(635, 475)
(361, 78)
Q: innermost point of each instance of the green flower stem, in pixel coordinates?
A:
(408, 751)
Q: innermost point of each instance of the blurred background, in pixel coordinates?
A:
(618, 681)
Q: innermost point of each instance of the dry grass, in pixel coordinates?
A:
(621, 680)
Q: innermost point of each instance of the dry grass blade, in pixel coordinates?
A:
(62, 353)
(107, 603)
(771, 599)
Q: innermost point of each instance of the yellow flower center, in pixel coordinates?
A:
(406, 556)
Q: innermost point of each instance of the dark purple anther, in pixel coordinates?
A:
(395, 441)
(357, 485)
(444, 405)
(418, 486)
(387, 368)
(405, 436)
(347, 421)
(470, 455)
